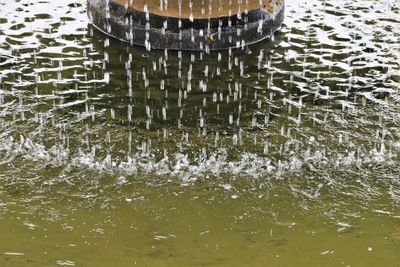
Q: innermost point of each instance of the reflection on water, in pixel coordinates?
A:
(288, 147)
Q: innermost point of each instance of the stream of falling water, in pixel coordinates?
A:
(283, 153)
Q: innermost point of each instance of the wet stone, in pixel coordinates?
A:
(180, 27)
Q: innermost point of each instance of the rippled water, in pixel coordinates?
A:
(285, 153)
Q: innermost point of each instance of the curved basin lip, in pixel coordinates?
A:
(118, 12)
(182, 49)
(142, 31)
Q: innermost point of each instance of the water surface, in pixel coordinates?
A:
(285, 153)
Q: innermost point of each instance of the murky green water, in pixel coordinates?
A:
(284, 154)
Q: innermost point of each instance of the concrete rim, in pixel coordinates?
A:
(139, 28)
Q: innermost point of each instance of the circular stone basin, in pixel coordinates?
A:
(187, 24)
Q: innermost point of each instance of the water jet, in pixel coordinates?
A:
(187, 24)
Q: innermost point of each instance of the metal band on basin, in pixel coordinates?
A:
(187, 24)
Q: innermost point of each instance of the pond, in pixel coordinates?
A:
(284, 153)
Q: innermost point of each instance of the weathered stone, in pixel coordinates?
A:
(187, 24)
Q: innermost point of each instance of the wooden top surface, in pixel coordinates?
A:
(197, 9)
